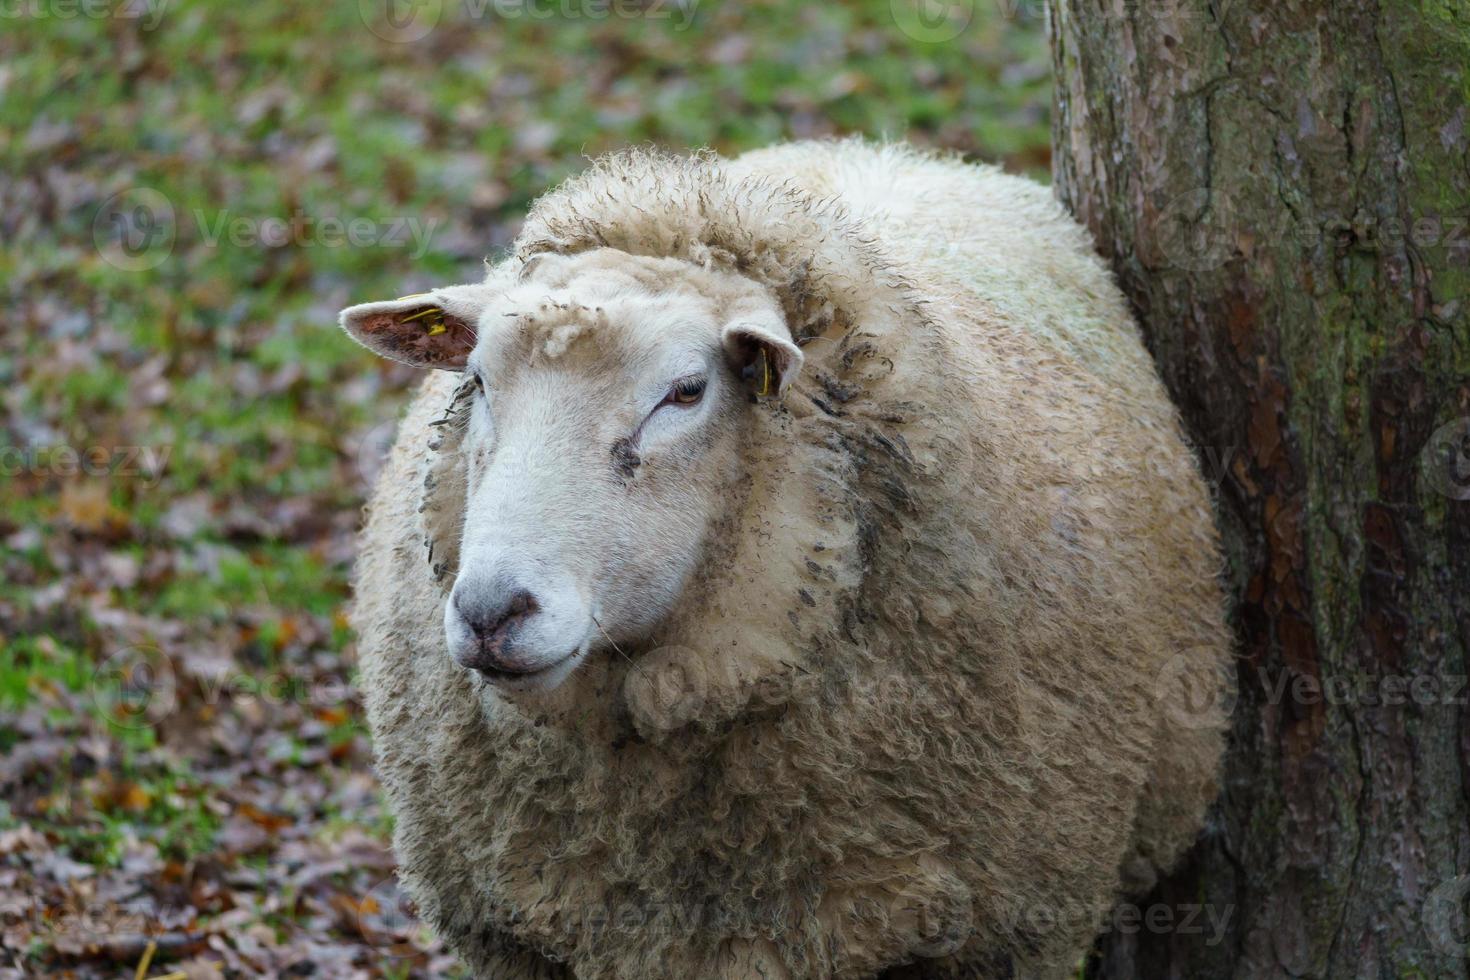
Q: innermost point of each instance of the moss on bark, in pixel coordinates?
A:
(1284, 192)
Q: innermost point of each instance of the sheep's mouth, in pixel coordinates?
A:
(543, 677)
(498, 674)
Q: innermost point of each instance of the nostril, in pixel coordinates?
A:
(522, 604)
(488, 619)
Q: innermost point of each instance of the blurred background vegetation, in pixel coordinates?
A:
(190, 192)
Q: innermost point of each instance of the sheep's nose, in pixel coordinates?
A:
(493, 616)
(489, 616)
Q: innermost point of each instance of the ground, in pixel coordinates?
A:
(191, 192)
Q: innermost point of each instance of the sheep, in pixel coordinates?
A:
(795, 569)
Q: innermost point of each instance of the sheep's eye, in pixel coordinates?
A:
(686, 391)
(479, 382)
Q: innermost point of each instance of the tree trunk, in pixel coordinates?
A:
(1283, 189)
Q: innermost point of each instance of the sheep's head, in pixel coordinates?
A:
(608, 396)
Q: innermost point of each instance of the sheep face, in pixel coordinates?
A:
(601, 445)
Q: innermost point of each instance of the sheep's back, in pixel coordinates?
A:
(956, 228)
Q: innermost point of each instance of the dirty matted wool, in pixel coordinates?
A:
(941, 691)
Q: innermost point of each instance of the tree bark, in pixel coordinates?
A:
(1283, 189)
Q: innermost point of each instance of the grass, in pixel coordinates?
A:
(176, 236)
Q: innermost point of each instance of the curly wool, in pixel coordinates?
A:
(920, 704)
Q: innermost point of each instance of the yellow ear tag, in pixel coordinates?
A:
(765, 374)
(421, 314)
(438, 328)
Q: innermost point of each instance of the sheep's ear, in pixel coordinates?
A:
(431, 330)
(763, 354)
